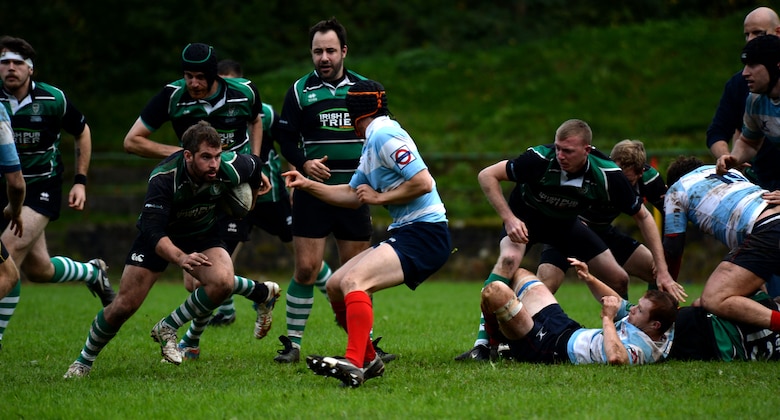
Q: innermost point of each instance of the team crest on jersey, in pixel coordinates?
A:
(232, 111)
(403, 156)
(36, 108)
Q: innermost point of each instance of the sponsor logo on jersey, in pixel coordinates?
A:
(335, 119)
(559, 202)
(27, 137)
(403, 156)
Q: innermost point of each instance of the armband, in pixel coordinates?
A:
(80, 179)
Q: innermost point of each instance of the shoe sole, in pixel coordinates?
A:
(328, 366)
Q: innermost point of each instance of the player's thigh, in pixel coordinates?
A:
(219, 273)
(640, 264)
(34, 225)
(728, 280)
(349, 249)
(373, 270)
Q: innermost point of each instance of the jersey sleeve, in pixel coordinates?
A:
(654, 189)
(9, 159)
(73, 122)
(401, 155)
(156, 113)
(289, 132)
(751, 128)
(622, 194)
(731, 108)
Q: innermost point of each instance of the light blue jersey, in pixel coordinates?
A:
(9, 159)
(389, 158)
(724, 206)
(761, 119)
(586, 345)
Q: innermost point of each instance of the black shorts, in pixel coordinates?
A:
(143, 254)
(570, 236)
(44, 196)
(621, 245)
(313, 218)
(273, 217)
(548, 339)
(759, 253)
(3, 253)
(423, 248)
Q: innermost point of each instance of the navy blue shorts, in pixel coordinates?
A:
(760, 251)
(548, 339)
(314, 218)
(423, 248)
(142, 254)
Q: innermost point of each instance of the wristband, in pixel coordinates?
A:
(80, 179)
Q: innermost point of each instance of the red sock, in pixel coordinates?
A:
(774, 321)
(340, 309)
(360, 320)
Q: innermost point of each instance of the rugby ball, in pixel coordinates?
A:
(238, 200)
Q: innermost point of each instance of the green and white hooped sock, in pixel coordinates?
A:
(8, 306)
(322, 278)
(66, 269)
(300, 299)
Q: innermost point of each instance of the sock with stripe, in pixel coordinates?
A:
(65, 269)
(8, 306)
(100, 333)
(322, 278)
(300, 300)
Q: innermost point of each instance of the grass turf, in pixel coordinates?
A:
(237, 378)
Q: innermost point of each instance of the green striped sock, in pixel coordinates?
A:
(100, 333)
(65, 269)
(8, 306)
(197, 305)
(300, 299)
(322, 278)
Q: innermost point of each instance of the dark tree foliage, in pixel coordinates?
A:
(118, 46)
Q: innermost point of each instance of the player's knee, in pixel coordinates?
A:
(495, 294)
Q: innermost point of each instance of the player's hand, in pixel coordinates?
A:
(772, 197)
(316, 169)
(190, 261)
(581, 267)
(668, 285)
(724, 163)
(15, 224)
(367, 195)
(295, 179)
(77, 197)
(516, 230)
(609, 306)
(265, 185)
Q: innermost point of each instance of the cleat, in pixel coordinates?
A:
(101, 287)
(189, 353)
(265, 310)
(337, 367)
(77, 370)
(386, 357)
(480, 353)
(291, 353)
(222, 320)
(166, 336)
(374, 368)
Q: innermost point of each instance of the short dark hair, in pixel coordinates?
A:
(202, 132)
(228, 66)
(17, 45)
(681, 166)
(329, 25)
(664, 308)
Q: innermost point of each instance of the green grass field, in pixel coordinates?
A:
(237, 378)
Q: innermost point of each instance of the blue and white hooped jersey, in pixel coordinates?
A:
(761, 119)
(9, 159)
(724, 206)
(389, 158)
(586, 345)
